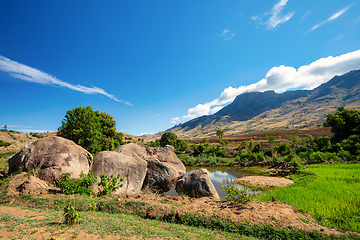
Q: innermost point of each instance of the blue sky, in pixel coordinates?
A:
(153, 64)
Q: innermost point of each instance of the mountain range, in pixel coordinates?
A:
(259, 111)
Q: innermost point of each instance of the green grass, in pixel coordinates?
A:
(7, 154)
(330, 193)
(50, 223)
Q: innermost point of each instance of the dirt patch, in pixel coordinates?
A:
(274, 213)
(261, 181)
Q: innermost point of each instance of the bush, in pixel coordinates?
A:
(4, 144)
(83, 186)
(74, 186)
(71, 215)
(168, 138)
(271, 139)
(109, 184)
(236, 194)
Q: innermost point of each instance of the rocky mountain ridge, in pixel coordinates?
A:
(258, 111)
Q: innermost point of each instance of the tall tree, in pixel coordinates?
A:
(168, 138)
(92, 130)
(343, 123)
(220, 133)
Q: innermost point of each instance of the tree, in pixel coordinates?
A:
(220, 133)
(92, 130)
(168, 138)
(110, 139)
(343, 123)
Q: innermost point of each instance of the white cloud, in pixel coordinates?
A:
(283, 78)
(274, 17)
(227, 34)
(29, 74)
(175, 120)
(333, 17)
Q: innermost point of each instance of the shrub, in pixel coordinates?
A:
(83, 186)
(74, 186)
(4, 144)
(283, 149)
(71, 215)
(271, 139)
(257, 148)
(109, 184)
(168, 138)
(236, 194)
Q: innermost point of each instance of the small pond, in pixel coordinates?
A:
(217, 176)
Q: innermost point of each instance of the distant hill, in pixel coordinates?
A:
(257, 111)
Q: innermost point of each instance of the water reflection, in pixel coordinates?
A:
(217, 176)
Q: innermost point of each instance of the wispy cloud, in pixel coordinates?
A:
(306, 14)
(274, 18)
(29, 74)
(24, 129)
(227, 34)
(333, 17)
(283, 78)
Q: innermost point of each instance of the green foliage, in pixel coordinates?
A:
(74, 186)
(344, 123)
(71, 215)
(110, 139)
(4, 144)
(283, 149)
(153, 144)
(83, 186)
(257, 148)
(271, 139)
(208, 150)
(168, 138)
(220, 133)
(328, 192)
(257, 231)
(234, 193)
(181, 145)
(90, 129)
(109, 184)
(37, 135)
(204, 140)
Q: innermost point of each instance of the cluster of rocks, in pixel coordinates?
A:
(155, 169)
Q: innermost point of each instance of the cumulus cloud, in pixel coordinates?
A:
(333, 17)
(175, 120)
(227, 34)
(274, 18)
(283, 78)
(29, 74)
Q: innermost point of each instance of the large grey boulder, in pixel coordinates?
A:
(132, 149)
(132, 169)
(197, 184)
(164, 168)
(51, 158)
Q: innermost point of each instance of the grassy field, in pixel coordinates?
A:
(95, 225)
(330, 193)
